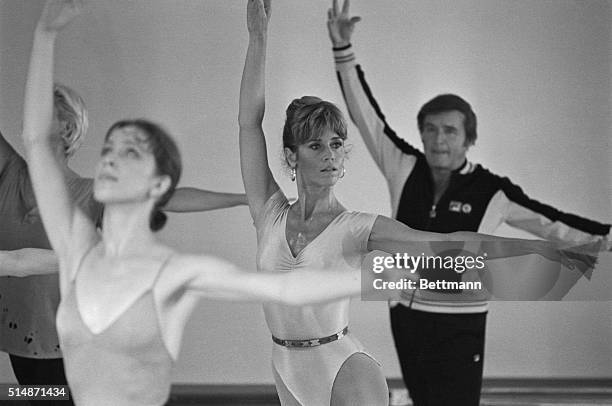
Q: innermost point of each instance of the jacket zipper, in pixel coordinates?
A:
(432, 212)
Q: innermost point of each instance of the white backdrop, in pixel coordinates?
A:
(536, 73)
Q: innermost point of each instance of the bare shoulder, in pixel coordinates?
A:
(175, 270)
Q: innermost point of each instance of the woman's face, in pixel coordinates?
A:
(320, 161)
(127, 172)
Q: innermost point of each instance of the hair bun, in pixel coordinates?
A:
(303, 101)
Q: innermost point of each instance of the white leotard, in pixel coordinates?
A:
(309, 373)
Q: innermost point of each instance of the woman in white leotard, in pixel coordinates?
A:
(316, 360)
(125, 297)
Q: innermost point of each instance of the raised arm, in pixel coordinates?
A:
(68, 228)
(27, 262)
(187, 199)
(394, 156)
(259, 183)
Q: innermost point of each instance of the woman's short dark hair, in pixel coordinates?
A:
(167, 161)
(308, 117)
(449, 102)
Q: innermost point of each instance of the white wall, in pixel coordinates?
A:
(536, 73)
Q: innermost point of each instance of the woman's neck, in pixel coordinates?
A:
(125, 228)
(316, 200)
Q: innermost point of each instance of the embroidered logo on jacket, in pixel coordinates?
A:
(459, 207)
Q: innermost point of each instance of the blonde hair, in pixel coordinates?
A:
(72, 114)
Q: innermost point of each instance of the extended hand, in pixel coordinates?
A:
(339, 25)
(258, 15)
(584, 262)
(594, 247)
(572, 258)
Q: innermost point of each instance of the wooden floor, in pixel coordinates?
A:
(496, 392)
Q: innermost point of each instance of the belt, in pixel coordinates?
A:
(312, 342)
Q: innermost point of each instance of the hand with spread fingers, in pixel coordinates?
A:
(340, 24)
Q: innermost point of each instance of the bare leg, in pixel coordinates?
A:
(360, 382)
(285, 396)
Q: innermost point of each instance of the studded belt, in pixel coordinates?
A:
(312, 342)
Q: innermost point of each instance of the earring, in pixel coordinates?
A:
(293, 174)
(343, 172)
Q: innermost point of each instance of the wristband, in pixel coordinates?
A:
(342, 48)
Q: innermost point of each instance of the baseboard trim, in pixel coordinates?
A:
(552, 386)
(218, 394)
(495, 392)
(498, 388)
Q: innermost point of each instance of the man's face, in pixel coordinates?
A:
(444, 140)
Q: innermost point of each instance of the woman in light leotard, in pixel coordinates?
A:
(126, 296)
(316, 360)
(27, 327)
(30, 304)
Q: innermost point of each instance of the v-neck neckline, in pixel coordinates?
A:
(113, 322)
(284, 226)
(123, 311)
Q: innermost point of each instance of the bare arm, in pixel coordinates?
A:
(189, 199)
(27, 262)
(218, 279)
(68, 228)
(259, 183)
(393, 237)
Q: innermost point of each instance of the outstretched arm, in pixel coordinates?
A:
(547, 222)
(68, 228)
(393, 237)
(218, 279)
(187, 199)
(259, 183)
(27, 262)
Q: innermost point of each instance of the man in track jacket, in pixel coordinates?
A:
(440, 342)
